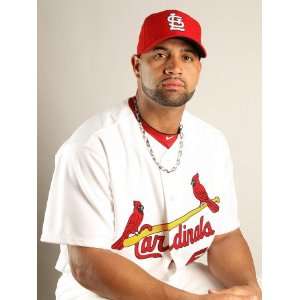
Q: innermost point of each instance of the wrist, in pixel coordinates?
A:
(256, 288)
(254, 284)
(172, 293)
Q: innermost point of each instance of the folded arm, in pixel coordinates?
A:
(114, 277)
(230, 261)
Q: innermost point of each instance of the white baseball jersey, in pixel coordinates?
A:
(107, 192)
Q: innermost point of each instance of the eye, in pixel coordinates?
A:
(159, 55)
(188, 58)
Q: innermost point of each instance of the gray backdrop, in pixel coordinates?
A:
(84, 50)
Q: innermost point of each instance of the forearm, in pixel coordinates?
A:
(230, 261)
(114, 277)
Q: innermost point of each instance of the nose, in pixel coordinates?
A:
(173, 66)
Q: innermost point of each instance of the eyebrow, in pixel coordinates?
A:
(159, 48)
(191, 50)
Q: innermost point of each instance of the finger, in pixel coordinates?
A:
(220, 296)
(223, 291)
(237, 291)
(235, 297)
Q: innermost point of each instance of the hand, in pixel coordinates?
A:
(224, 297)
(250, 292)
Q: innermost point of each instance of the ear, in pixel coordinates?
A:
(135, 62)
(200, 65)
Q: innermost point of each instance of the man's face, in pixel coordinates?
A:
(169, 73)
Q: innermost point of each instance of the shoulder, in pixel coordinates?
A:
(202, 131)
(87, 137)
(205, 140)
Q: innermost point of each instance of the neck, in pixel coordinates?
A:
(162, 118)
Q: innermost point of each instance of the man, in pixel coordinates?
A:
(141, 192)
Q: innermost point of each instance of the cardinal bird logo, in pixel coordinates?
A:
(201, 194)
(132, 225)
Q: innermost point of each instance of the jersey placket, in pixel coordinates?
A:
(170, 187)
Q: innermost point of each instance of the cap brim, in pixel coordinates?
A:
(198, 47)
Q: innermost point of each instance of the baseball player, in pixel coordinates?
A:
(141, 192)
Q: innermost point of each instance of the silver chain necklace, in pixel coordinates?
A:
(179, 154)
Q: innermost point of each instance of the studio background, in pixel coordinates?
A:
(84, 51)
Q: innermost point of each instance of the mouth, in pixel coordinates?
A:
(172, 84)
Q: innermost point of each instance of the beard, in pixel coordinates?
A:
(164, 98)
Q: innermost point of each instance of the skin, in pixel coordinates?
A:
(230, 261)
(167, 77)
(161, 103)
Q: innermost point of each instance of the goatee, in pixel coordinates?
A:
(162, 98)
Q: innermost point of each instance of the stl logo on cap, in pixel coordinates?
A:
(175, 22)
(168, 24)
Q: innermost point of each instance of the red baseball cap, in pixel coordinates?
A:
(169, 24)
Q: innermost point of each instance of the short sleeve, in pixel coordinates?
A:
(227, 219)
(80, 207)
